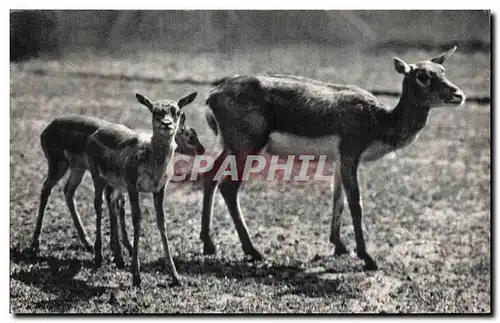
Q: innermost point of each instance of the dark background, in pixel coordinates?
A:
(57, 32)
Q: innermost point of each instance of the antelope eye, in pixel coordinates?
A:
(423, 78)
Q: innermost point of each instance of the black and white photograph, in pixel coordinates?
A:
(220, 161)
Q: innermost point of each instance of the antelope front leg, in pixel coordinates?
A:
(349, 175)
(209, 187)
(338, 208)
(160, 221)
(229, 190)
(136, 220)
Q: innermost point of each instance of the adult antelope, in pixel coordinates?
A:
(64, 142)
(131, 163)
(291, 115)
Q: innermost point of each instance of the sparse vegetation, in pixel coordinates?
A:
(427, 207)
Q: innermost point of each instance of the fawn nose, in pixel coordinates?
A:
(167, 123)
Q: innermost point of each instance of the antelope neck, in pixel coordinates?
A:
(406, 120)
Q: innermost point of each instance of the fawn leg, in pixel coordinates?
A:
(57, 169)
(136, 220)
(160, 221)
(98, 191)
(111, 199)
(74, 179)
(123, 224)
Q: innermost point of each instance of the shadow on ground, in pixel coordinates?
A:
(55, 276)
(296, 277)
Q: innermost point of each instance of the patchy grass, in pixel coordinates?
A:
(427, 206)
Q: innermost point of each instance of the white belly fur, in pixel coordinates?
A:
(285, 144)
(376, 150)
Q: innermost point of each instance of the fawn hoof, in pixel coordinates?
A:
(34, 249)
(129, 250)
(176, 282)
(340, 250)
(136, 280)
(97, 262)
(89, 247)
(120, 264)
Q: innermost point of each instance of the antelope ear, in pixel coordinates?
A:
(443, 57)
(186, 100)
(401, 66)
(144, 101)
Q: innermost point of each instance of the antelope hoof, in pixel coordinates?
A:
(370, 266)
(254, 255)
(340, 250)
(209, 248)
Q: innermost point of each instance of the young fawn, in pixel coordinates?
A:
(291, 115)
(131, 163)
(64, 142)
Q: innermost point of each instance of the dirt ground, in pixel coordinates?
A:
(427, 207)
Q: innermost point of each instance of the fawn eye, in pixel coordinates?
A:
(423, 78)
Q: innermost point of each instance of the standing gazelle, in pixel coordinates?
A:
(131, 163)
(291, 115)
(64, 142)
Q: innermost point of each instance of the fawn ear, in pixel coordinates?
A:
(443, 57)
(144, 101)
(182, 122)
(401, 66)
(186, 100)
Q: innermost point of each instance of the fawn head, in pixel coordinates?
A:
(425, 83)
(166, 114)
(187, 140)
